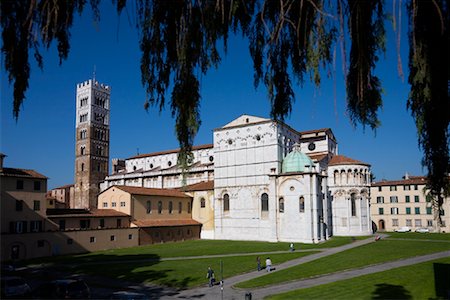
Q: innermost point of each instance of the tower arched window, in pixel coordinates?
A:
(264, 202)
(83, 150)
(82, 166)
(226, 202)
(301, 204)
(281, 205)
(353, 204)
(202, 203)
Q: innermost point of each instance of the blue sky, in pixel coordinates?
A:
(43, 139)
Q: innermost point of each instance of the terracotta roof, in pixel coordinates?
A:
(200, 186)
(63, 187)
(344, 160)
(13, 172)
(165, 223)
(151, 191)
(314, 131)
(84, 213)
(199, 147)
(411, 180)
(318, 157)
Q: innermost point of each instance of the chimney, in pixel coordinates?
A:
(2, 156)
(406, 177)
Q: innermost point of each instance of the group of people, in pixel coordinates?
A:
(210, 273)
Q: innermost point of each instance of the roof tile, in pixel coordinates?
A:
(344, 160)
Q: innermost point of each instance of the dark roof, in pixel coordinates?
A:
(13, 172)
(63, 187)
(165, 223)
(199, 147)
(200, 186)
(410, 180)
(83, 213)
(151, 191)
(344, 160)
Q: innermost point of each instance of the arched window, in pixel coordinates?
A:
(189, 207)
(226, 202)
(159, 207)
(301, 204)
(82, 150)
(170, 207)
(281, 205)
(264, 202)
(336, 176)
(202, 203)
(180, 207)
(149, 207)
(82, 166)
(353, 204)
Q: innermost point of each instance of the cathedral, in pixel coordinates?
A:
(262, 180)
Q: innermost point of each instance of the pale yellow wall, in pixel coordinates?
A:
(56, 243)
(204, 215)
(140, 208)
(115, 195)
(402, 216)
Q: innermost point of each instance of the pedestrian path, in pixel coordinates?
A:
(228, 292)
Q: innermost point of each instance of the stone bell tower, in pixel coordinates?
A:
(92, 141)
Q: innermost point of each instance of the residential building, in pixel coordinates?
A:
(400, 203)
(63, 194)
(91, 142)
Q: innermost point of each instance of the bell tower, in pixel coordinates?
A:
(92, 141)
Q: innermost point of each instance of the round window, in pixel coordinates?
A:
(311, 146)
(230, 141)
(211, 158)
(258, 137)
(169, 163)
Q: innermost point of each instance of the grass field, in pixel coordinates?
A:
(412, 282)
(374, 253)
(420, 236)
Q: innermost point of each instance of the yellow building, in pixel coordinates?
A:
(402, 203)
(161, 214)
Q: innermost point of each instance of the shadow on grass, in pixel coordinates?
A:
(389, 291)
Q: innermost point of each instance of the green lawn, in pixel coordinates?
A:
(374, 253)
(179, 273)
(187, 248)
(412, 282)
(421, 236)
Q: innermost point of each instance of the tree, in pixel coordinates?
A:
(289, 40)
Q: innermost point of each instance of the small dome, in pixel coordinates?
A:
(296, 161)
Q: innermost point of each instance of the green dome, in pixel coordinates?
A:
(296, 161)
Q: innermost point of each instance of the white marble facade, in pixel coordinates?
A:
(254, 198)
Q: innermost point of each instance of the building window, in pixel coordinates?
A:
(50, 202)
(130, 236)
(19, 185)
(69, 241)
(226, 202)
(105, 204)
(380, 199)
(301, 204)
(281, 205)
(416, 187)
(170, 207)
(37, 185)
(180, 207)
(202, 203)
(393, 188)
(418, 223)
(169, 163)
(211, 158)
(62, 224)
(189, 232)
(407, 199)
(417, 210)
(379, 188)
(112, 238)
(394, 222)
(92, 239)
(416, 198)
(85, 224)
(122, 204)
(19, 205)
(82, 150)
(113, 204)
(394, 199)
(408, 222)
(119, 223)
(381, 211)
(189, 207)
(408, 210)
(35, 226)
(394, 210)
(36, 205)
(82, 166)
(149, 207)
(264, 202)
(406, 187)
(159, 207)
(429, 223)
(353, 204)
(429, 210)
(40, 243)
(102, 223)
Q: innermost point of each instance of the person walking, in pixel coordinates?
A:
(268, 264)
(210, 276)
(291, 247)
(258, 263)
